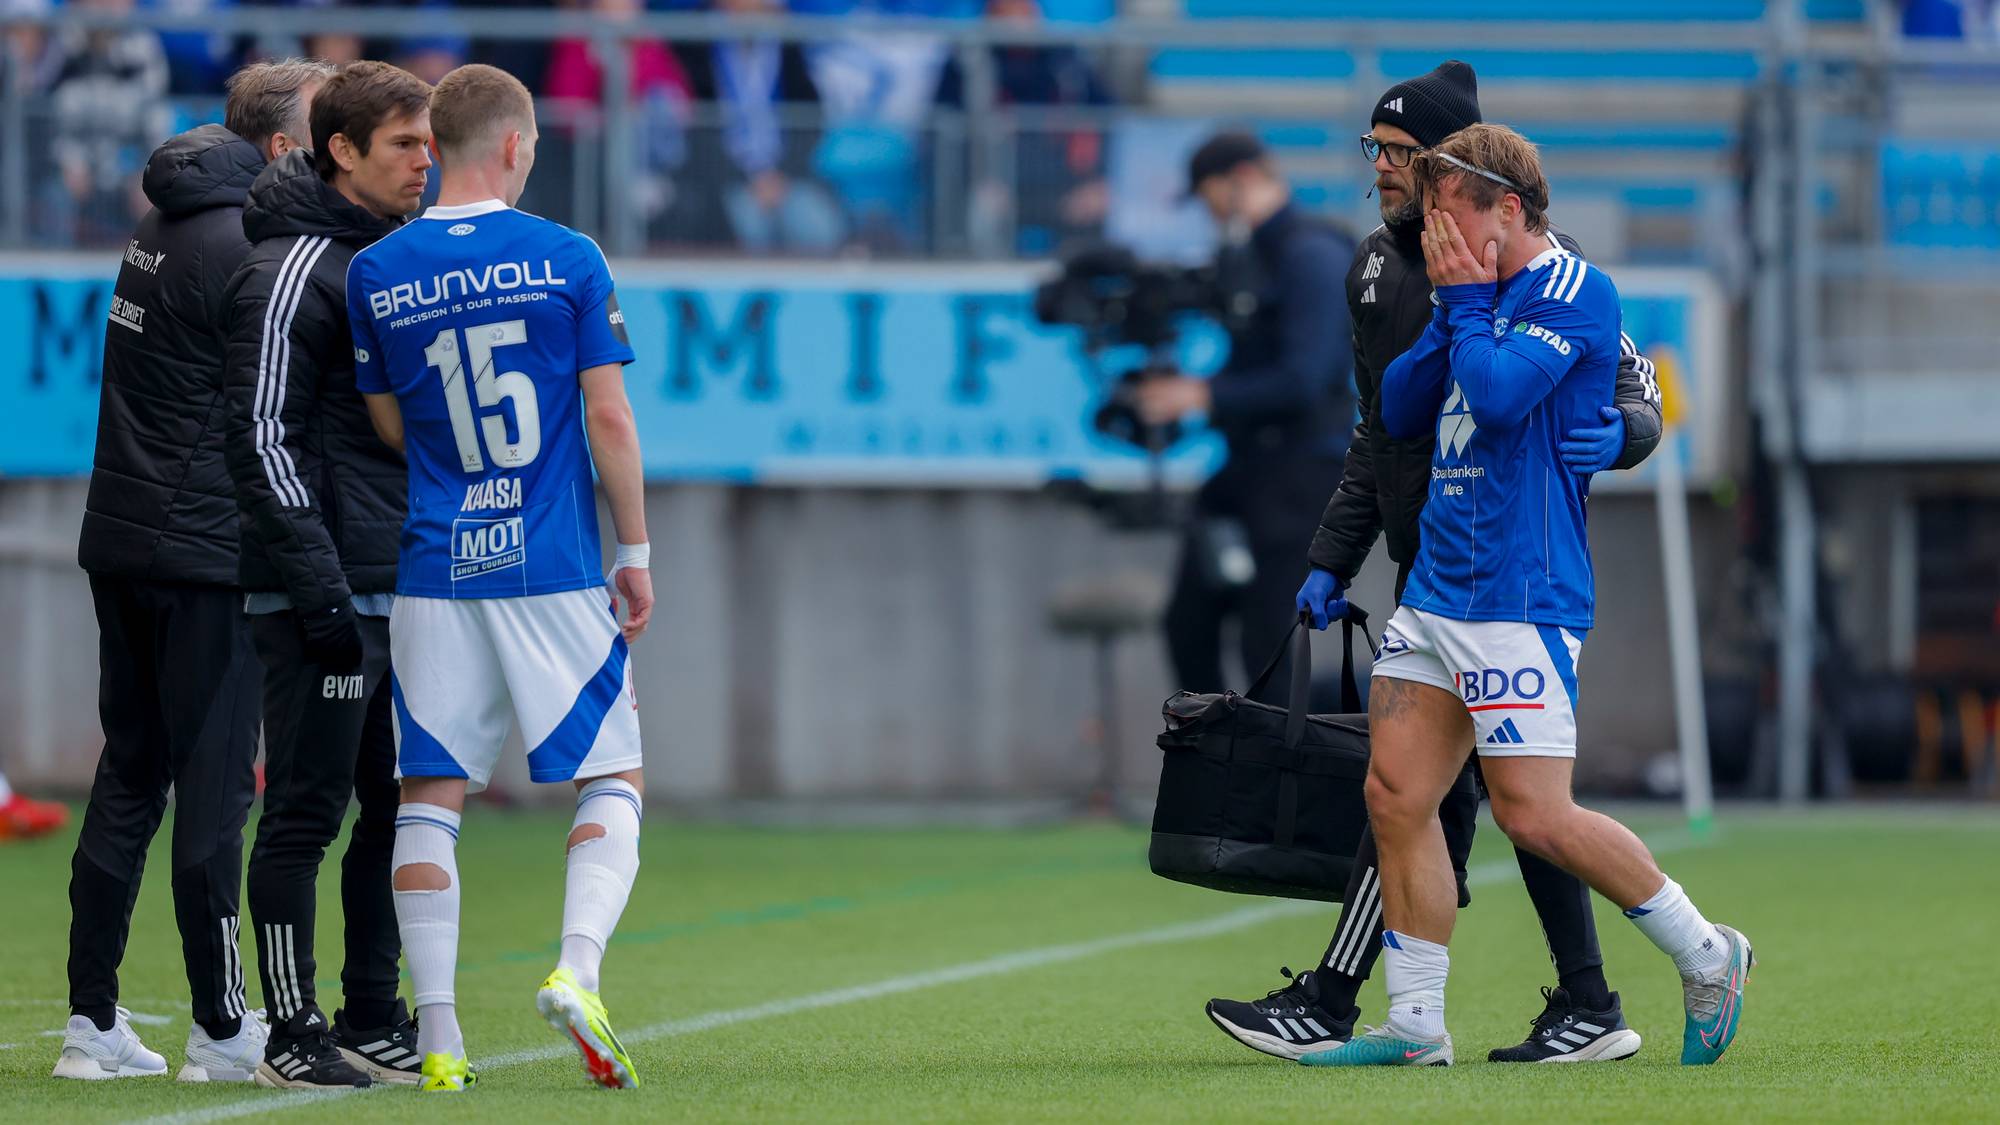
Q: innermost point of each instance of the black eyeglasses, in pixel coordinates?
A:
(1399, 155)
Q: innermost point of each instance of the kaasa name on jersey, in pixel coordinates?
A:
(486, 495)
(431, 295)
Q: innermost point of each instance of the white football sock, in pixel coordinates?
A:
(1671, 922)
(428, 921)
(1414, 971)
(601, 871)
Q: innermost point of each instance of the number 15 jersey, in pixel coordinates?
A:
(478, 318)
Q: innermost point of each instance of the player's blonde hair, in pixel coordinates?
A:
(1487, 163)
(476, 105)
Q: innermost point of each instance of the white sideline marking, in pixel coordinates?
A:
(1001, 965)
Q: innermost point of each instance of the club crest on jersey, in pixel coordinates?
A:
(482, 546)
(460, 229)
(1455, 424)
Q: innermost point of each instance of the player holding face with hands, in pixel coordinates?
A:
(1524, 345)
(1383, 489)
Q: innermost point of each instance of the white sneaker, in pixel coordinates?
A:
(90, 1054)
(227, 1060)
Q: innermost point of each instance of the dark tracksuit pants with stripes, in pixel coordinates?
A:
(177, 696)
(328, 738)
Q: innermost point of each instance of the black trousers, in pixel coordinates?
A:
(327, 739)
(1277, 501)
(177, 696)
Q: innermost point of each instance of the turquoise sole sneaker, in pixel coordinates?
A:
(1715, 1004)
(1380, 1048)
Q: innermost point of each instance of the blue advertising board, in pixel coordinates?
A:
(786, 373)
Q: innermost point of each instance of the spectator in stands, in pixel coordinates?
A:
(525, 59)
(431, 57)
(29, 61)
(336, 47)
(110, 111)
(769, 206)
(1934, 19)
(574, 86)
(1058, 191)
(197, 60)
(28, 57)
(877, 91)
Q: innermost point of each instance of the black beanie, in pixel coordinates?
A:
(1433, 106)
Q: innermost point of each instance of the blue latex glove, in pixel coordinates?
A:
(1593, 449)
(1323, 597)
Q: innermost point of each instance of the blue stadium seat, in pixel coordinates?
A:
(1594, 11)
(1267, 64)
(1325, 65)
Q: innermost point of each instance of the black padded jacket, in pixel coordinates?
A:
(161, 505)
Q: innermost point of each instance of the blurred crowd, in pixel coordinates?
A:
(773, 147)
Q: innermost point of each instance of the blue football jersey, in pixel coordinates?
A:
(1509, 370)
(478, 318)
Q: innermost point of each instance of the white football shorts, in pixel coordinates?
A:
(1518, 680)
(555, 663)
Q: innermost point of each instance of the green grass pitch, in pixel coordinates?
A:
(1046, 976)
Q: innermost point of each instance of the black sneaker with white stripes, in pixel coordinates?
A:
(1565, 1033)
(387, 1053)
(301, 1056)
(1286, 1023)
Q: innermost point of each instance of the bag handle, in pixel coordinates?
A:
(1299, 643)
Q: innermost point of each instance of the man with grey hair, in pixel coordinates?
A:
(178, 680)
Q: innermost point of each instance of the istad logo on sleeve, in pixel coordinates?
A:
(1537, 332)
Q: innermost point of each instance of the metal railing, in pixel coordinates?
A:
(961, 153)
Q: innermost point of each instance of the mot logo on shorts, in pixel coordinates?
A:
(1496, 687)
(484, 546)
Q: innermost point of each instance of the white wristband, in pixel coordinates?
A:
(636, 556)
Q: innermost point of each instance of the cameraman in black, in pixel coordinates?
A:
(1284, 402)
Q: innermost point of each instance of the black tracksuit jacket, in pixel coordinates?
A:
(322, 497)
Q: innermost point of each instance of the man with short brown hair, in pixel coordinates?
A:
(322, 502)
(1482, 653)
